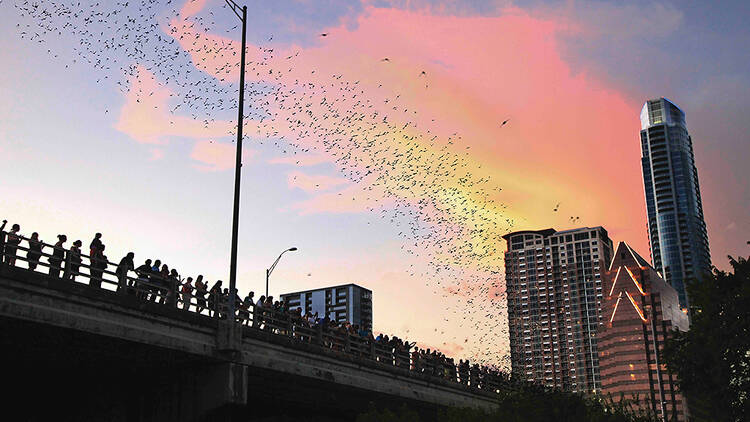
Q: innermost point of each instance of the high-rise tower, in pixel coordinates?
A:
(554, 285)
(676, 228)
(640, 310)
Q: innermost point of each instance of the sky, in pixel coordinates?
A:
(126, 128)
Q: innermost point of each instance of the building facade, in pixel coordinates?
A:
(676, 228)
(640, 311)
(554, 288)
(346, 303)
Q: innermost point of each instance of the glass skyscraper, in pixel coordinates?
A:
(676, 228)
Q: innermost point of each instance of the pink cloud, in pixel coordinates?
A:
(314, 183)
(216, 156)
(191, 8)
(569, 134)
(148, 117)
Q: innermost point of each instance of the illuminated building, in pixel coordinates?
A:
(554, 288)
(640, 310)
(676, 228)
(346, 303)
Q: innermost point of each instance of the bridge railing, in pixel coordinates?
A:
(148, 286)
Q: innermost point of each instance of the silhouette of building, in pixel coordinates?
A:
(554, 286)
(640, 311)
(345, 303)
(676, 228)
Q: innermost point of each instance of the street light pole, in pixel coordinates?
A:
(270, 269)
(238, 164)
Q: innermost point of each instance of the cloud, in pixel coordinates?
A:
(192, 8)
(156, 154)
(302, 159)
(448, 348)
(217, 156)
(570, 135)
(622, 22)
(148, 117)
(314, 183)
(352, 199)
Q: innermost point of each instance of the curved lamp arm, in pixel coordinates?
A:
(270, 270)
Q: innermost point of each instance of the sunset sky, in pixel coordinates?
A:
(91, 146)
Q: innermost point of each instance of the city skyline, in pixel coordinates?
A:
(107, 161)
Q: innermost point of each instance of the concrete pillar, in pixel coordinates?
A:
(215, 392)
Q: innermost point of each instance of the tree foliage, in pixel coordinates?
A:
(712, 359)
(529, 403)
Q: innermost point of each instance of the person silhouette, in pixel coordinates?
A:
(95, 244)
(11, 244)
(126, 264)
(98, 265)
(74, 261)
(35, 251)
(58, 256)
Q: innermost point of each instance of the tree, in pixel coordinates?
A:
(529, 403)
(712, 360)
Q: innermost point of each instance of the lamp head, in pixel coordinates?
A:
(292, 249)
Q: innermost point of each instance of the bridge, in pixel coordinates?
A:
(98, 344)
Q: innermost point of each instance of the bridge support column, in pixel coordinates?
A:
(216, 391)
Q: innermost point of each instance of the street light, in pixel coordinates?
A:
(238, 164)
(268, 271)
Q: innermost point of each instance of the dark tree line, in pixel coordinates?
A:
(712, 359)
(528, 403)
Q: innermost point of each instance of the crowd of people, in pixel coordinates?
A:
(155, 282)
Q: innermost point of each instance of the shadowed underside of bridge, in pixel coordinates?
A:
(75, 354)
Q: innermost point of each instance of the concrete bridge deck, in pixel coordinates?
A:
(110, 356)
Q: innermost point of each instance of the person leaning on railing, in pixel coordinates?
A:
(172, 283)
(96, 244)
(58, 256)
(35, 251)
(11, 244)
(126, 264)
(98, 265)
(213, 298)
(73, 264)
(187, 293)
(141, 285)
(160, 279)
(200, 293)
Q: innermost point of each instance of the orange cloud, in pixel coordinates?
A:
(215, 156)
